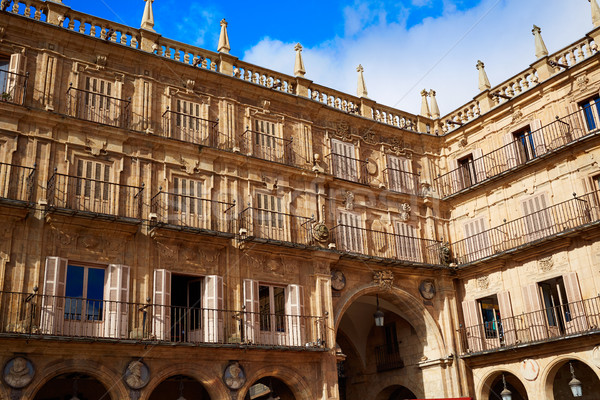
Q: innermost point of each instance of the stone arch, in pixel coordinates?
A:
(486, 383)
(109, 378)
(413, 311)
(215, 390)
(388, 391)
(294, 380)
(548, 374)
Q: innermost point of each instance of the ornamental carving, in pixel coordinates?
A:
(427, 289)
(517, 115)
(396, 146)
(189, 165)
(136, 375)
(320, 232)
(384, 279)
(349, 201)
(368, 136)
(582, 82)
(90, 242)
(545, 264)
(234, 376)
(405, 212)
(18, 372)
(338, 280)
(342, 130)
(95, 146)
(530, 369)
(483, 282)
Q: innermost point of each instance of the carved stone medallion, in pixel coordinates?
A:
(545, 264)
(234, 376)
(483, 282)
(320, 232)
(427, 289)
(18, 372)
(338, 279)
(384, 279)
(136, 375)
(530, 369)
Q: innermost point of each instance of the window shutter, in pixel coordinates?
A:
(473, 325)
(212, 305)
(351, 233)
(538, 221)
(343, 160)
(161, 313)
(53, 302)
(576, 307)
(251, 317)
(506, 318)
(14, 85)
(407, 242)
(294, 307)
(479, 165)
(456, 177)
(116, 296)
(535, 318)
(537, 135)
(510, 151)
(477, 243)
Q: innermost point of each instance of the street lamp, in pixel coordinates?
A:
(575, 384)
(505, 394)
(378, 315)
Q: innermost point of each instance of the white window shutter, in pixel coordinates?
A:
(161, 310)
(456, 177)
(14, 82)
(535, 318)
(116, 297)
(473, 326)
(506, 318)
(576, 307)
(212, 306)
(537, 135)
(53, 302)
(510, 151)
(251, 315)
(294, 308)
(407, 243)
(479, 165)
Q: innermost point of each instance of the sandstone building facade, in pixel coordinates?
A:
(177, 223)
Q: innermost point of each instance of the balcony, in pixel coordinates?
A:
(402, 181)
(96, 107)
(191, 129)
(385, 245)
(93, 198)
(257, 224)
(267, 147)
(17, 183)
(348, 168)
(519, 152)
(387, 357)
(35, 316)
(549, 324)
(548, 222)
(192, 213)
(13, 87)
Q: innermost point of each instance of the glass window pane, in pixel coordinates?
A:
(95, 284)
(265, 308)
(74, 287)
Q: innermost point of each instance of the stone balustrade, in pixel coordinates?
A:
(576, 52)
(394, 117)
(35, 9)
(333, 98)
(99, 28)
(264, 77)
(462, 115)
(187, 54)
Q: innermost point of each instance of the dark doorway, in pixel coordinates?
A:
(67, 386)
(180, 386)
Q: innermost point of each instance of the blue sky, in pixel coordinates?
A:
(405, 46)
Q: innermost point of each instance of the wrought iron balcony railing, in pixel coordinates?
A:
(13, 87)
(271, 225)
(387, 357)
(561, 217)
(348, 168)
(33, 315)
(96, 107)
(17, 182)
(94, 197)
(561, 321)
(267, 147)
(187, 128)
(402, 181)
(387, 245)
(520, 151)
(193, 212)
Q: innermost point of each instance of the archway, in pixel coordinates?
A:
(496, 386)
(70, 385)
(269, 388)
(559, 380)
(180, 386)
(396, 392)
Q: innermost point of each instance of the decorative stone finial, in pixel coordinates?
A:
(299, 64)
(223, 39)
(435, 110)
(148, 18)
(484, 82)
(424, 105)
(362, 88)
(540, 46)
(595, 13)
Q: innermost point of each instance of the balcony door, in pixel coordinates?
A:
(408, 245)
(186, 206)
(477, 240)
(350, 232)
(100, 101)
(92, 189)
(188, 123)
(400, 175)
(591, 112)
(270, 222)
(186, 308)
(266, 141)
(343, 159)
(538, 218)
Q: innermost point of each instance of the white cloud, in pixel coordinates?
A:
(439, 53)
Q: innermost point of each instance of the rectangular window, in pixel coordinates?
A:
(400, 175)
(554, 299)
(270, 216)
(4, 69)
(538, 220)
(591, 112)
(186, 204)
(271, 301)
(84, 290)
(343, 159)
(490, 316)
(186, 304)
(92, 188)
(477, 241)
(525, 144)
(350, 234)
(189, 125)
(466, 172)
